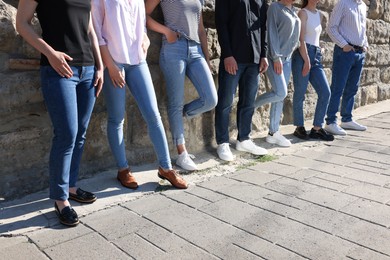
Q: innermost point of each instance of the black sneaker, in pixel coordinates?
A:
(301, 133)
(321, 134)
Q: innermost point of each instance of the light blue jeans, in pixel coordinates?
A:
(139, 81)
(178, 59)
(277, 94)
(69, 102)
(318, 80)
(346, 71)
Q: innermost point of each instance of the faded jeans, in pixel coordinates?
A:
(69, 102)
(317, 78)
(277, 94)
(346, 71)
(178, 60)
(140, 84)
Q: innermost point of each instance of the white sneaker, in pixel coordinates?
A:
(184, 160)
(279, 139)
(335, 129)
(353, 125)
(250, 147)
(224, 152)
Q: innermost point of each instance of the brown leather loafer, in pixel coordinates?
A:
(127, 179)
(173, 177)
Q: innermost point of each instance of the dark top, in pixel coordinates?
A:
(241, 27)
(65, 28)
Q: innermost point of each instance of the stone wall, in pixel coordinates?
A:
(25, 130)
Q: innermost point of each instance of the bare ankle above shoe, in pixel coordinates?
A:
(62, 204)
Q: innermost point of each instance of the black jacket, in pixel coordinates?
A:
(241, 27)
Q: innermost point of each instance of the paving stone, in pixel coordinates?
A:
(334, 169)
(219, 183)
(299, 162)
(366, 234)
(304, 174)
(230, 210)
(246, 192)
(264, 249)
(335, 158)
(206, 194)
(370, 166)
(290, 187)
(297, 237)
(115, 222)
(274, 167)
(189, 199)
(11, 241)
(372, 156)
(173, 246)
(364, 253)
(177, 217)
(371, 192)
(45, 238)
(340, 150)
(255, 177)
(22, 251)
(148, 204)
(369, 177)
(369, 210)
(138, 248)
(325, 219)
(90, 246)
(325, 183)
(328, 198)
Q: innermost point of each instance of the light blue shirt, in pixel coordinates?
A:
(283, 28)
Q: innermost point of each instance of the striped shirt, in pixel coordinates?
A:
(183, 17)
(347, 23)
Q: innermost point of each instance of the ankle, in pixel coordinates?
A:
(73, 190)
(61, 204)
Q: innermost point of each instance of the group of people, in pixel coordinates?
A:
(89, 46)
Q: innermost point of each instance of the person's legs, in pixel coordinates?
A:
(248, 86)
(115, 99)
(351, 87)
(85, 92)
(300, 87)
(61, 100)
(342, 63)
(173, 66)
(140, 83)
(199, 73)
(320, 84)
(279, 86)
(227, 86)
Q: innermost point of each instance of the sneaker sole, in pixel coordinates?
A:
(187, 169)
(243, 150)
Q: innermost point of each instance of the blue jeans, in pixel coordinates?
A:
(178, 59)
(318, 80)
(69, 103)
(346, 71)
(277, 94)
(140, 83)
(247, 79)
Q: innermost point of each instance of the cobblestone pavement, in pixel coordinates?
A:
(315, 200)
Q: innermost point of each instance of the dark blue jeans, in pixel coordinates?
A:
(346, 71)
(318, 80)
(69, 103)
(247, 79)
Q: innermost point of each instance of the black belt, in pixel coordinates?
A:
(357, 47)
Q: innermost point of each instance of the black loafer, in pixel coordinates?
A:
(82, 196)
(67, 216)
(301, 133)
